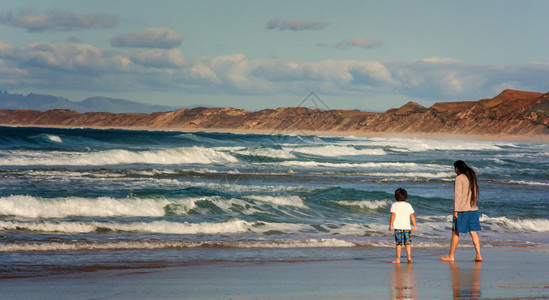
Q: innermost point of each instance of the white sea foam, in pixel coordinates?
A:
(389, 168)
(375, 204)
(494, 159)
(367, 165)
(267, 152)
(122, 245)
(528, 182)
(525, 225)
(233, 148)
(412, 174)
(47, 226)
(309, 243)
(127, 245)
(33, 207)
(185, 155)
(278, 200)
(494, 224)
(221, 186)
(232, 226)
(165, 227)
(390, 243)
(54, 138)
(336, 151)
(420, 145)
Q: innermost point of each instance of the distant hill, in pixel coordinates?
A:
(94, 104)
(511, 113)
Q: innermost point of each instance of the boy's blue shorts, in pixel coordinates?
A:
(403, 237)
(466, 221)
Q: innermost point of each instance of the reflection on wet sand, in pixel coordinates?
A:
(403, 282)
(466, 281)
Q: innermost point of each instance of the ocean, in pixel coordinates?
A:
(75, 200)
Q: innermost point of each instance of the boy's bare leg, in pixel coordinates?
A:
(453, 246)
(409, 252)
(476, 243)
(398, 251)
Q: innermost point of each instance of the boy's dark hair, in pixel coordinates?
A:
(401, 194)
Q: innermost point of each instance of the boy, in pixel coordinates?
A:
(401, 213)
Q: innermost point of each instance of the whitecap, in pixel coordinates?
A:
(337, 151)
(365, 204)
(185, 155)
(34, 207)
(54, 138)
(279, 200)
(527, 182)
(526, 225)
(128, 245)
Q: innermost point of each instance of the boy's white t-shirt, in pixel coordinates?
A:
(403, 211)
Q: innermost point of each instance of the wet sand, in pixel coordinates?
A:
(511, 273)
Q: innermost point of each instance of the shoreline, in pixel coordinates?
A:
(355, 278)
(542, 139)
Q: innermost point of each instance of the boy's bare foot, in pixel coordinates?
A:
(446, 258)
(409, 260)
(396, 262)
(478, 259)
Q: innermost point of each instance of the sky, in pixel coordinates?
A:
(366, 55)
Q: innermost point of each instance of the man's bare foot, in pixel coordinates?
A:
(409, 260)
(396, 262)
(478, 259)
(446, 258)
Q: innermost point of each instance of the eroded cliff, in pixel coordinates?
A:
(511, 112)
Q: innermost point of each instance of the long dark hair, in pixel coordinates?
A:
(463, 168)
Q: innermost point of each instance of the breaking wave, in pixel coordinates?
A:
(336, 151)
(528, 182)
(34, 207)
(525, 225)
(129, 245)
(185, 155)
(376, 204)
(165, 227)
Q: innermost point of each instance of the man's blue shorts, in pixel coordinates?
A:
(466, 221)
(403, 237)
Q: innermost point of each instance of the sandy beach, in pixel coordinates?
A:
(510, 273)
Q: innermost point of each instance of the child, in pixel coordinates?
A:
(401, 213)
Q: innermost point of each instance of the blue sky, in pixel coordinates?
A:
(367, 55)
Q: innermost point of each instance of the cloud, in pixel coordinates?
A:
(57, 20)
(72, 57)
(89, 68)
(64, 66)
(149, 38)
(295, 25)
(159, 58)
